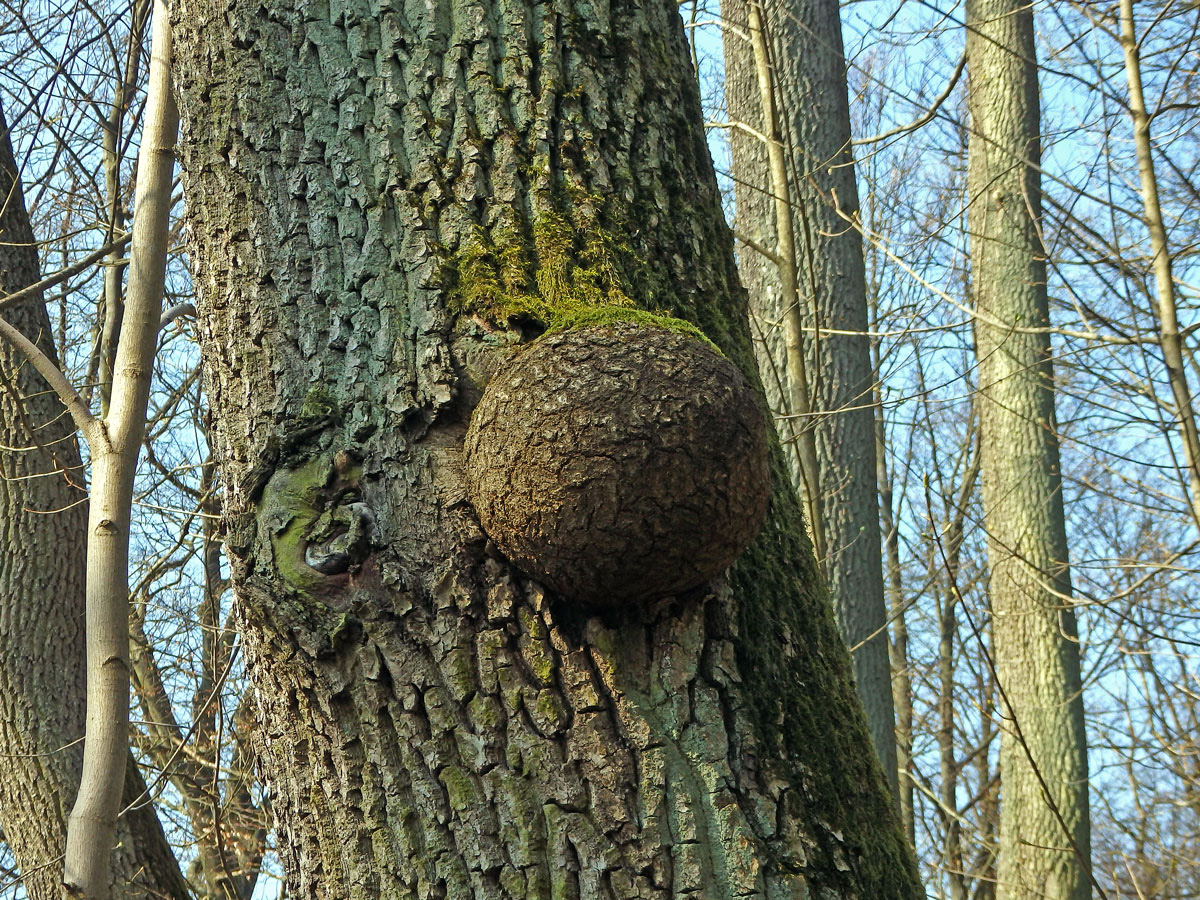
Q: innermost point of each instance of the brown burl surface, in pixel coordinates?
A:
(619, 463)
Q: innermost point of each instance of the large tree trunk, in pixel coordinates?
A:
(809, 76)
(383, 201)
(1044, 831)
(43, 511)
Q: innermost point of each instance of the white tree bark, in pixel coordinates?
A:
(115, 444)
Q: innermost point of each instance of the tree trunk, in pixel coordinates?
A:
(1044, 831)
(383, 203)
(1174, 351)
(43, 508)
(810, 86)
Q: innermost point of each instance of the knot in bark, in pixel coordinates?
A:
(619, 463)
(340, 538)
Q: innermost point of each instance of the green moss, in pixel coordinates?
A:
(460, 789)
(319, 403)
(535, 647)
(542, 275)
(346, 631)
(608, 315)
(577, 267)
(459, 673)
(485, 712)
(293, 496)
(571, 279)
(800, 692)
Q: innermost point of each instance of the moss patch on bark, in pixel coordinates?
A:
(561, 273)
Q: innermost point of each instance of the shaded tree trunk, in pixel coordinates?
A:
(809, 74)
(1044, 831)
(384, 202)
(898, 656)
(43, 508)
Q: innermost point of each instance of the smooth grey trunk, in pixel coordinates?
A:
(383, 204)
(1044, 824)
(43, 514)
(809, 76)
(115, 443)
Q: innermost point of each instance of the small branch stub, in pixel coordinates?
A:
(619, 463)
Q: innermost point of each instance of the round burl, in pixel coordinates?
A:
(619, 463)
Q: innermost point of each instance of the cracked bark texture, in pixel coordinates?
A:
(1044, 828)
(431, 723)
(619, 463)
(809, 75)
(43, 517)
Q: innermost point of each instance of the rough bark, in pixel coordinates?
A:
(1044, 831)
(43, 513)
(381, 201)
(810, 83)
(582, 446)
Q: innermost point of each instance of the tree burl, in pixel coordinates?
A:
(619, 463)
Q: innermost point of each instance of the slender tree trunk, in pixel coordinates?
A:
(114, 446)
(948, 763)
(794, 374)
(43, 511)
(114, 299)
(809, 77)
(1170, 339)
(1044, 830)
(984, 865)
(383, 202)
(902, 690)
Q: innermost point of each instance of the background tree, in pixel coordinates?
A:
(790, 145)
(42, 658)
(1045, 846)
(79, 109)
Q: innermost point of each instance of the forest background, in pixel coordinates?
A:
(74, 104)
